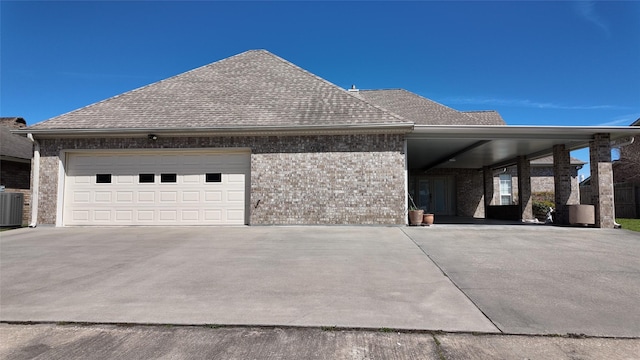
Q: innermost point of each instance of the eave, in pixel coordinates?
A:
(297, 130)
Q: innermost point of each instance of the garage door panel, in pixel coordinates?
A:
(124, 197)
(102, 196)
(145, 216)
(117, 197)
(124, 215)
(146, 196)
(102, 215)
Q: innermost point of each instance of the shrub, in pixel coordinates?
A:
(542, 202)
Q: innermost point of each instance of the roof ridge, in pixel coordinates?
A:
(336, 86)
(441, 104)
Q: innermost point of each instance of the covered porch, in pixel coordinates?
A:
(451, 169)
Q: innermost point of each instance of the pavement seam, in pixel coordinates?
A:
(295, 327)
(451, 280)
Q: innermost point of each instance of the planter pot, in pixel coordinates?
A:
(415, 217)
(427, 219)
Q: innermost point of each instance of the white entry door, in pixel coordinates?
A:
(170, 187)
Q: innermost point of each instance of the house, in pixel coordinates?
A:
(15, 161)
(627, 168)
(626, 178)
(542, 180)
(254, 139)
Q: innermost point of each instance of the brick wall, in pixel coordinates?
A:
(542, 180)
(350, 179)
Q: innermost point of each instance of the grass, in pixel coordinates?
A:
(629, 224)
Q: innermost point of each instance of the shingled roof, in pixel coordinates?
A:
(487, 117)
(423, 111)
(548, 161)
(251, 89)
(13, 146)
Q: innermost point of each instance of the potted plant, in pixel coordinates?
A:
(415, 214)
(427, 219)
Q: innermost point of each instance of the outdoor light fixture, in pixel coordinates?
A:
(152, 137)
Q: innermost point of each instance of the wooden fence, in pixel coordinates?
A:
(626, 197)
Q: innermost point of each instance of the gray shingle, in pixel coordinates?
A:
(254, 88)
(487, 117)
(423, 111)
(548, 161)
(14, 146)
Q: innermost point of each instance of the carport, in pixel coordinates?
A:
(472, 153)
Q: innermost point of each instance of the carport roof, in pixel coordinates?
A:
(474, 147)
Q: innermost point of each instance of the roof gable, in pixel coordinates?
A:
(423, 111)
(254, 88)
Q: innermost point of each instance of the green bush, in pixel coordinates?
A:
(542, 202)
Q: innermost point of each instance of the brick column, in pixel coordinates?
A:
(487, 174)
(562, 183)
(602, 180)
(524, 188)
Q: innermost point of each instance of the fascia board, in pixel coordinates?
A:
(383, 128)
(490, 132)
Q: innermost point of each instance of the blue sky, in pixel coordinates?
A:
(537, 63)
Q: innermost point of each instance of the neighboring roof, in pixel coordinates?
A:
(14, 146)
(251, 89)
(13, 122)
(548, 160)
(423, 111)
(636, 123)
(488, 117)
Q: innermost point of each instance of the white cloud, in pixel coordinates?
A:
(622, 120)
(525, 103)
(586, 9)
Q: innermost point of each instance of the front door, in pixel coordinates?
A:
(435, 195)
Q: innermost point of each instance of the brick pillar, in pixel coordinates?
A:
(524, 188)
(487, 174)
(562, 183)
(602, 180)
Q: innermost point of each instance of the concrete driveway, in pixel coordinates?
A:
(369, 277)
(526, 279)
(537, 279)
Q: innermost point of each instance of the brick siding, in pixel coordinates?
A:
(341, 179)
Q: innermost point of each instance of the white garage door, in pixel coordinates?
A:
(156, 188)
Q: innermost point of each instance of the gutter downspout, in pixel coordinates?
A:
(36, 181)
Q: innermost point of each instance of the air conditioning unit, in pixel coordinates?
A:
(11, 209)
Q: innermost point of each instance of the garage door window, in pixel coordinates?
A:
(103, 178)
(214, 177)
(168, 178)
(146, 178)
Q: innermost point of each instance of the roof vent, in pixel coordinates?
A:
(353, 88)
